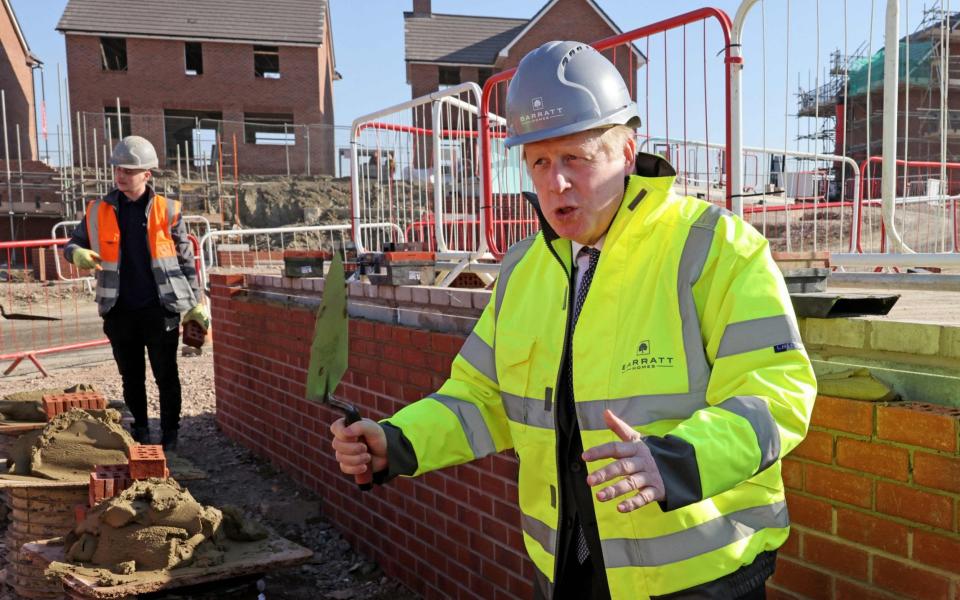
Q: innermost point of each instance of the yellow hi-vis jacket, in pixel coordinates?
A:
(688, 334)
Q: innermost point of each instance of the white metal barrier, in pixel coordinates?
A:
(416, 165)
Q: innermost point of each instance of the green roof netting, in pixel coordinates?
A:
(919, 60)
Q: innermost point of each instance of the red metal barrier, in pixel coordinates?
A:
(511, 206)
(41, 318)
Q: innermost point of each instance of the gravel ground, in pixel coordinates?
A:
(238, 477)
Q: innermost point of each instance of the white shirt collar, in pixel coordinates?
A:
(575, 247)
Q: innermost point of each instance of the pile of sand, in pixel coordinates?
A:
(28, 406)
(155, 524)
(71, 445)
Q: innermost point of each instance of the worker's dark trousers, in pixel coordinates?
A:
(157, 330)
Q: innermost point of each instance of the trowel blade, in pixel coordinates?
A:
(329, 351)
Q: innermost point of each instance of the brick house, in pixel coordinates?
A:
(187, 70)
(443, 50)
(16, 79)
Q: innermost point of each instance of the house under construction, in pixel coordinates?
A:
(848, 108)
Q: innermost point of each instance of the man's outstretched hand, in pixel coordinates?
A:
(634, 465)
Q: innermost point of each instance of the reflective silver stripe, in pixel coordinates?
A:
(755, 334)
(695, 541)
(545, 535)
(480, 356)
(692, 260)
(757, 412)
(106, 292)
(509, 263)
(109, 266)
(528, 411)
(474, 427)
(640, 410)
(93, 225)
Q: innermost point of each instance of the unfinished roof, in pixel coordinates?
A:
(299, 22)
(458, 38)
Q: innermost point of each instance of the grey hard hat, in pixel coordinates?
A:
(134, 152)
(562, 88)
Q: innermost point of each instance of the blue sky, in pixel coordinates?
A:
(368, 41)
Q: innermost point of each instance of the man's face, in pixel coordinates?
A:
(132, 182)
(579, 182)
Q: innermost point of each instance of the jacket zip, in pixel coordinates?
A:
(556, 425)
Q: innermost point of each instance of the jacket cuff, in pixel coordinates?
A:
(677, 462)
(401, 458)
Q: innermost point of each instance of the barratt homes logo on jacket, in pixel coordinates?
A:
(540, 112)
(645, 359)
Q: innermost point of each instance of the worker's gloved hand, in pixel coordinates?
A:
(199, 314)
(635, 469)
(85, 258)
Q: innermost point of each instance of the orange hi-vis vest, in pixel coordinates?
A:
(103, 229)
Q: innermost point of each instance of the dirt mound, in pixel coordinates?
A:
(154, 524)
(71, 445)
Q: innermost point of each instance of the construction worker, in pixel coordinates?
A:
(136, 241)
(639, 354)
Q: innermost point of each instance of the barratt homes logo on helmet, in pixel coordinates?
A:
(540, 112)
(644, 358)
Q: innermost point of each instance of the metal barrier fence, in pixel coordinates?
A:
(677, 109)
(416, 164)
(925, 208)
(39, 318)
(789, 196)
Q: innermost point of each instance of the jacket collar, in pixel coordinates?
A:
(115, 196)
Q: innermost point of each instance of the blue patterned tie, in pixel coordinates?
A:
(583, 552)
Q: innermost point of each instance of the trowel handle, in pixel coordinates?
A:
(352, 415)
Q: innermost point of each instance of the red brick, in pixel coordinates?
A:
(835, 556)
(792, 473)
(147, 461)
(818, 446)
(936, 471)
(937, 550)
(915, 505)
(914, 582)
(792, 546)
(853, 416)
(848, 590)
(838, 485)
(879, 459)
(919, 424)
(872, 530)
(54, 404)
(810, 512)
(803, 580)
(106, 481)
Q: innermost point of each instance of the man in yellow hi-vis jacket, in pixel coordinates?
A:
(639, 354)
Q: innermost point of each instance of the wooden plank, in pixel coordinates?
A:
(243, 559)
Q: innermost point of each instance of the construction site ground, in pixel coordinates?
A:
(235, 477)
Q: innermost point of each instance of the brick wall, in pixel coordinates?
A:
(873, 492)
(873, 495)
(155, 80)
(16, 79)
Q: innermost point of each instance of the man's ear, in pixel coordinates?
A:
(629, 154)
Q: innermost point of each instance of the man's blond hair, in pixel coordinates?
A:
(613, 138)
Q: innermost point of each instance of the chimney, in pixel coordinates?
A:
(421, 8)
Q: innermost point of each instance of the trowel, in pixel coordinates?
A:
(330, 350)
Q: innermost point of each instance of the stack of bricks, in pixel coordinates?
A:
(147, 461)
(54, 404)
(874, 498)
(107, 481)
